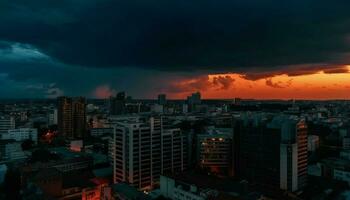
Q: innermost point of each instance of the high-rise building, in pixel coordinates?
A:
(71, 117)
(215, 151)
(6, 123)
(117, 104)
(293, 156)
(258, 159)
(162, 99)
(79, 117)
(143, 150)
(174, 151)
(272, 152)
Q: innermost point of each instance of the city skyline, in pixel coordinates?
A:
(174, 100)
(259, 50)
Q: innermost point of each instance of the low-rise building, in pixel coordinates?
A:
(336, 168)
(6, 123)
(192, 186)
(123, 191)
(11, 150)
(79, 184)
(21, 134)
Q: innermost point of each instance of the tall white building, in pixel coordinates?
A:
(6, 123)
(142, 151)
(21, 134)
(293, 155)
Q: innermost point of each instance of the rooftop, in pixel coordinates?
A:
(209, 182)
(128, 191)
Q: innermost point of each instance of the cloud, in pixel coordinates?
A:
(54, 93)
(224, 82)
(201, 83)
(296, 70)
(104, 91)
(278, 84)
(226, 36)
(47, 90)
(17, 51)
(166, 45)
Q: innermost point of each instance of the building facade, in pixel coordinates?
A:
(142, 151)
(6, 123)
(21, 134)
(216, 151)
(272, 152)
(72, 117)
(293, 156)
(11, 150)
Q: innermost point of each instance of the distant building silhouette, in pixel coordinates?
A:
(162, 99)
(193, 101)
(117, 104)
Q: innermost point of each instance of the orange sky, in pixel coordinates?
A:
(312, 86)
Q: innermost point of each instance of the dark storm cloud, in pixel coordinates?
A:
(25, 72)
(180, 35)
(5, 46)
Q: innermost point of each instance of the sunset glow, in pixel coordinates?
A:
(313, 86)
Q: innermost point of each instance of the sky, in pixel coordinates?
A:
(292, 49)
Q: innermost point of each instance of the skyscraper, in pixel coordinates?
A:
(258, 159)
(142, 151)
(272, 152)
(293, 156)
(71, 117)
